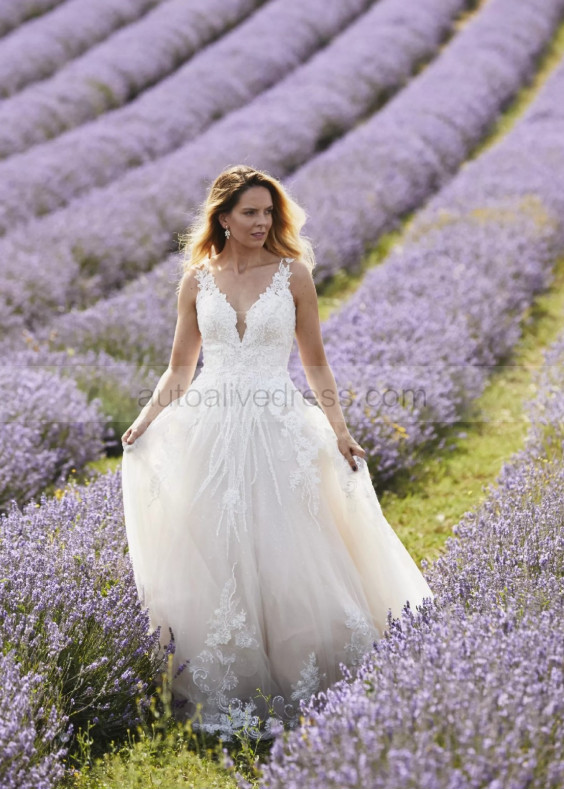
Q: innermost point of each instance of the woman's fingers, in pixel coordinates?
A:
(355, 449)
(349, 448)
(129, 436)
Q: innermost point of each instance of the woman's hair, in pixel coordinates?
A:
(206, 233)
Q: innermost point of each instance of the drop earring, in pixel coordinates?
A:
(227, 233)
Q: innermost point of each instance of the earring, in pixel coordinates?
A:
(227, 233)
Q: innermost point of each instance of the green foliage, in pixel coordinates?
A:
(162, 752)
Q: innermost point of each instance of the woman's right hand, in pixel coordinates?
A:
(135, 430)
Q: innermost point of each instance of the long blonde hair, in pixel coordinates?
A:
(205, 234)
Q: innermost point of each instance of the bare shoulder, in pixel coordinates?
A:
(187, 289)
(301, 281)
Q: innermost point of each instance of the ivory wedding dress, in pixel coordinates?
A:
(250, 536)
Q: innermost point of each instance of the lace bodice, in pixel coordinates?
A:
(269, 326)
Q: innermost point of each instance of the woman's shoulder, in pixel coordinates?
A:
(190, 280)
(299, 269)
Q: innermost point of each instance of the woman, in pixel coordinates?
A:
(255, 533)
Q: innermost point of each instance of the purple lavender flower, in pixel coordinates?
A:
(31, 728)
(96, 656)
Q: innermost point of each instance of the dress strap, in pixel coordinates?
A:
(282, 276)
(204, 278)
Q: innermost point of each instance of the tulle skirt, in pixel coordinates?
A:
(259, 550)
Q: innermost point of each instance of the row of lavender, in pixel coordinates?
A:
(222, 77)
(393, 163)
(41, 47)
(75, 640)
(115, 71)
(14, 12)
(467, 691)
(85, 243)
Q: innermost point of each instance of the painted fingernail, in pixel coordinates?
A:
(355, 468)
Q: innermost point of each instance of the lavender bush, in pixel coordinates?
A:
(41, 47)
(29, 730)
(135, 324)
(14, 12)
(466, 691)
(376, 56)
(545, 409)
(89, 233)
(116, 70)
(69, 606)
(47, 428)
(85, 398)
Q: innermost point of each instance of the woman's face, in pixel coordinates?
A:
(251, 216)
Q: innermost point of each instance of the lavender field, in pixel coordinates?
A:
(439, 121)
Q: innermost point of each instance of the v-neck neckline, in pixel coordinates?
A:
(229, 305)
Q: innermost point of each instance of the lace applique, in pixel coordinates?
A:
(309, 681)
(355, 485)
(155, 487)
(362, 636)
(228, 626)
(213, 673)
(227, 319)
(307, 475)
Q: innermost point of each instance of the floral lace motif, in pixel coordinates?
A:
(363, 634)
(228, 626)
(212, 671)
(309, 681)
(306, 476)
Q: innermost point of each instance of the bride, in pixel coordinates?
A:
(255, 534)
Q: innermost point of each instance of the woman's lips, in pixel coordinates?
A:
(258, 235)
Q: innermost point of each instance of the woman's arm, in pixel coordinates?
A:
(312, 353)
(183, 360)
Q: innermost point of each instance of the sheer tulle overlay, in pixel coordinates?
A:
(251, 538)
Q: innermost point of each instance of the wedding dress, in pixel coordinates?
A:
(251, 538)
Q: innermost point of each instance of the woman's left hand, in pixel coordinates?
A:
(349, 448)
